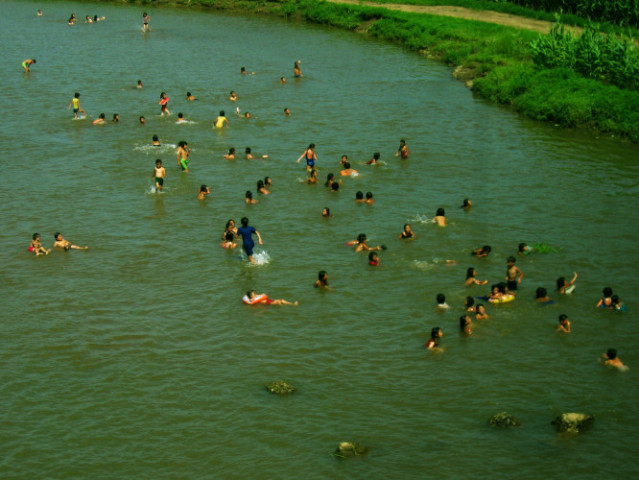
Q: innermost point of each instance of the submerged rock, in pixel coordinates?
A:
(573, 422)
(350, 449)
(280, 387)
(504, 420)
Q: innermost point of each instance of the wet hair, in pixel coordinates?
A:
(221, 113)
(615, 299)
(158, 161)
(156, 138)
(228, 236)
(376, 155)
(511, 259)
(36, 235)
(502, 286)
(607, 292)
(521, 247)
(480, 305)
(321, 277)
(372, 255)
(347, 165)
(359, 195)
(328, 211)
(116, 116)
(232, 92)
(441, 212)
(231, 151)
(329, 179)
(188, 94)
(463, 321)
(611, 353)
(470, 301)
(541, 292)
(142, 118)
(182, 144)
(56, 235)
(486, 248)
(162, 94)
(402, 141)
(361, 238)
(434, 333)
(335, 186)
(311, 145)
(180, 115)
(267, 180)
(202, 188)
(229, 223)
(242, 69)
(465, 203)
(248, 293)
(470, 273)
(102, 116)
(260, 184)
(247, 150)
(562, 317)
(369, 195)
(77, 95)
(244, 220)
(561, 281)
(249, 196)
(441, 298)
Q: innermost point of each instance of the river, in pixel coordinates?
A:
(137, 358)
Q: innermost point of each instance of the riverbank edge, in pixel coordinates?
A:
(493, 60)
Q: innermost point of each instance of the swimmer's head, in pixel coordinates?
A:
(247, 115)
(116, 117)
(242, 69)
(56, 235)
(372, 256)
(330, 177)
(615, 299)
(247, 150)
(232, 151)
(182, 144)
(361, 238)
(180, 115)
(322, 276)
(611, 353)
(335, 186)
(260, 184)
(441, 212)
(244, 220)
(326, 212)
(541, 292)
(369, 195)
(407, 227)
(470, 273)
(267, 181)
(287, 111)
(463, 321)
(469, 302)
(522, 247)
(436, 332)
(481, 308)
(486, 249)
(77, 95)
(376, 155)
(402, 142)
(511, 260)
(561, 281)
(102, 116)
(441, 298)
(248, 196)
(494, 288)
(563, 317)
(466, 203)
(230, 223)
(250, 293)
(347, 165)
(607, 292)
(311, 146)
(203, 188)
(36, 236)
(163, 94)
(155, 137)
(143, 120)
(158, 162)
(221, 113)
(359, 195)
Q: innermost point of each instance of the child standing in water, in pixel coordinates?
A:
(203, 192)
(164, 104)
(403, 150)
(435, 334)
(440, 217)
(564, 324)
(75, 103)
(373, 259)
(221, 120)
(183, 151)
(322, 280)
(310, 156)
(159, 174)
(407, 233)
(145, 22)
(511, 274)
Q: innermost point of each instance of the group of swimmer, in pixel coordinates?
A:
(59, 242)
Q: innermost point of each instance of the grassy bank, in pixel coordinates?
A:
(498, 60)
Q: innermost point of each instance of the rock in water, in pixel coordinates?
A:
(349, 449)
(504, 420)
(573, 422)
(280, 387)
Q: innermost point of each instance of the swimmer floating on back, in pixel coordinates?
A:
(60, 242)
(251, 298)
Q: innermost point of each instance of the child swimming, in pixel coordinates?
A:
(481, 314)
(564, 324)
(407, 233)
(435, 334)
(251, 298)
(481, 252)
(563, 286)
(440, 217)
(322, 280)
(203, 192)
(373, 259)
(471, 279)
(36, 247)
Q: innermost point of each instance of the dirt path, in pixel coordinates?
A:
(459, 12)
